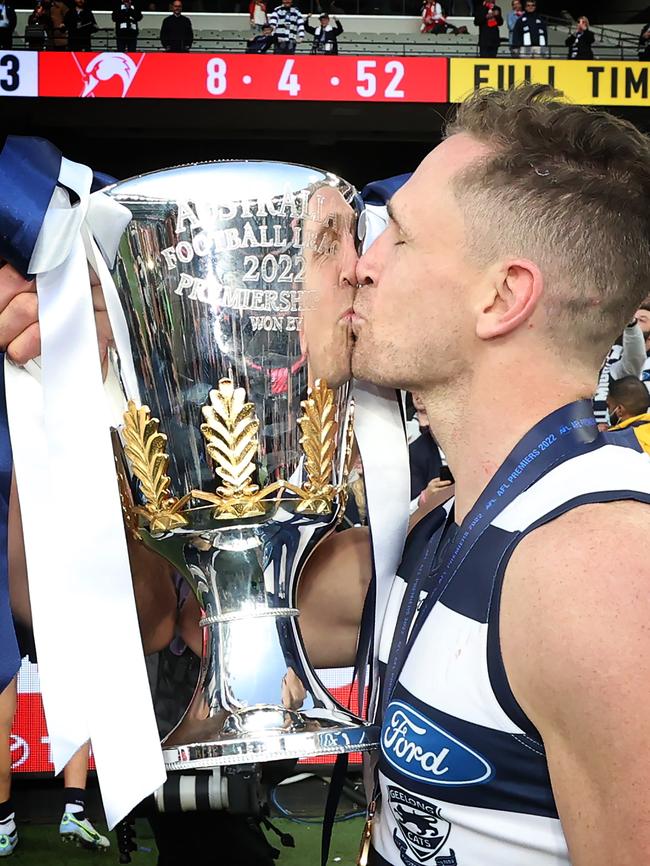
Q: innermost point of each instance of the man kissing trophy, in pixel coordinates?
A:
(229, 289)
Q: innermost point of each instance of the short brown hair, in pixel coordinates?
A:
(569, 188)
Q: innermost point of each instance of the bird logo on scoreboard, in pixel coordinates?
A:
(19, 750)
(105, 67)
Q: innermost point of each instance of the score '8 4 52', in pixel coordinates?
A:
(367, 83)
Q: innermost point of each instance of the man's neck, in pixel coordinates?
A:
(480, 423)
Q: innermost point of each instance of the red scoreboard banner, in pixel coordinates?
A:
(243, 76)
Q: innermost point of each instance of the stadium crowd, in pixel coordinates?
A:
(71, 24)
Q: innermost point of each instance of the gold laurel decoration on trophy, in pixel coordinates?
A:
(144, 446)
(231, 433)
(128, 509)
(319, 427)
(344, 489)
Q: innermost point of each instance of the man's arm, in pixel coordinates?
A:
(633, 356)
(575, 638)
(331, 594)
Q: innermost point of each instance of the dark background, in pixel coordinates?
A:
(361, 142)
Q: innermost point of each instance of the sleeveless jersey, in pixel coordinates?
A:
(462, 771)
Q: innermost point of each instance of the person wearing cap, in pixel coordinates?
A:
(325, 35)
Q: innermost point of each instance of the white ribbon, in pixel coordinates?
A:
(381, 439)
(91, 663)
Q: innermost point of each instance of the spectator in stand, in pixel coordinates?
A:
(434, 20)
(644, 43)
(425, 461)
(7, 24)
(126, 17)
(58, 11)
(39, 27)
(325, 35)
(288, 27)
(513, 16)
(488, 19)
(626, 358)
(580, 42)
(261, 43)
(80, 24)
(642, 316)
(628, 402)
(529, 36)
(176, 33)
(258, 17)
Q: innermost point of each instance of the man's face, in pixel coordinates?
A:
(177, 8)
(531, 7)
(643, 318)
(414, 322)
(329, 284)
(287, 3)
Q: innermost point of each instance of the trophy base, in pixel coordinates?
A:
(214, 742)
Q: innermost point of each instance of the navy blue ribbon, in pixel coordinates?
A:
(9, 654)
(561, 435)
(380, 191)
(29, 170)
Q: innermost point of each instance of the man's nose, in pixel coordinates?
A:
(349, 267)
(365, 270)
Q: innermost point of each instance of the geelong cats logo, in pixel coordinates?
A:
(420, 825)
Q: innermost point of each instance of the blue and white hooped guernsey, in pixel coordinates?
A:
(462, 770)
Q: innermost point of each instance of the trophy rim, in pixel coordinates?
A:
(114, 189)
(363, 737)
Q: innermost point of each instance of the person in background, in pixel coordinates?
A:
(628, 402)
(257, 14)
(642, 316)
(325, 35)
(261, 43)
(580, 42)
(58, 11)
(80, 24)
(288, 27)
(74, 825)
(644, 43)
(39, 27)
(176, 33)
(126, 17)
(529, 35)
(625, 358)
(434, 20)
(425, 461)
(514, 15)
(7, 24)
(488, 19)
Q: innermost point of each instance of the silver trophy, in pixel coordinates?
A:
(237, 282)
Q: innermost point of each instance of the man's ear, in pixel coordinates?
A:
(512, 297)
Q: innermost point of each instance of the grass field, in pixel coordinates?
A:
(40, 844)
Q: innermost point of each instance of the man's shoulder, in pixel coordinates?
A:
(584, 532)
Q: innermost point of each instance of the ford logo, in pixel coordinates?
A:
(417, 747)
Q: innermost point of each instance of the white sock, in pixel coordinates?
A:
(8, 826)
(73, 808)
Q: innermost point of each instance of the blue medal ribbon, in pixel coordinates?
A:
(561, 435)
